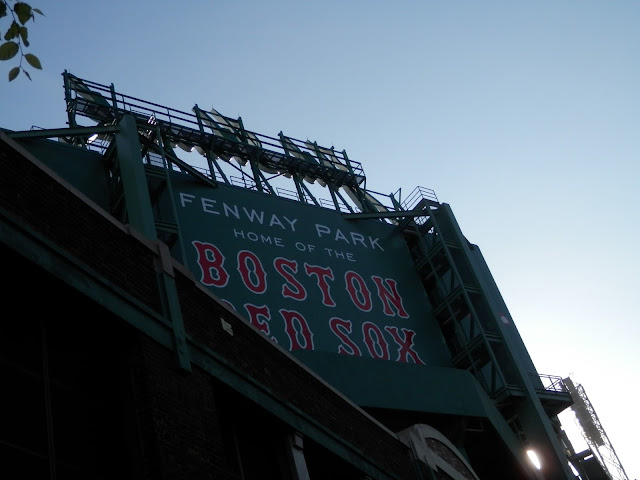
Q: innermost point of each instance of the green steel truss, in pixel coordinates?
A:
(469, 315)
(224, 145)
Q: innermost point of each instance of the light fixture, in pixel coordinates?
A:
(533, 456)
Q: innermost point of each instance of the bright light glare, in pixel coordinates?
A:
(534, 458)
(573, 469)
(93, 138)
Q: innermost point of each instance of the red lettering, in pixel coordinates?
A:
(254, 278)
(389, 296)
(292, 289)
(358, 291)
(342, 329)
(321, 274)
(296, 327)
(405, 345)
(378, 346)
(210, 260)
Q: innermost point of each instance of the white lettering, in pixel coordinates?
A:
(292, 223)
(322, 229)
(374, 243)
(207, 206)
(231, 210)
(340, 236)
(186, 198)
(358, 238)
(275, 221)
(254, 215)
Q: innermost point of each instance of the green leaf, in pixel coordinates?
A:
(23, 10)
(38, 11)
(3, 9)
(13, 32)
(33, 61)
(24, 34)
(8, 50)
(27, 74)
(13, 73)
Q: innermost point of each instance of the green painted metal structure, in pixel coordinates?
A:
(140, 157)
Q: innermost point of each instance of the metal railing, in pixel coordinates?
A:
(102, 103)
(419, 194)
(552, 383)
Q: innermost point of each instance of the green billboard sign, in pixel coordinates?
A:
(307, 277)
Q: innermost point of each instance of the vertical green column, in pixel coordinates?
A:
(134, 181)
(140, 215)
(536, 424)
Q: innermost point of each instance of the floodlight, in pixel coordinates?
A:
(533, 456)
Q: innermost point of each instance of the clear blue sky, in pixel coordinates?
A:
(523, 116)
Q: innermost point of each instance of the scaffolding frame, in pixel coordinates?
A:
(593, 432)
